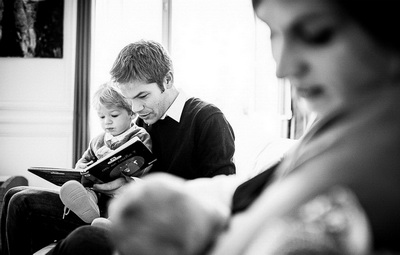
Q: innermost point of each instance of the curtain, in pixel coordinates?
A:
(82, 74)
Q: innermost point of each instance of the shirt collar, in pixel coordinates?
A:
(176, 108)
(120, 137)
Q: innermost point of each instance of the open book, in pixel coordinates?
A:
(131, 159)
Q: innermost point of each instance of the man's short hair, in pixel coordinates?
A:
(145, 61)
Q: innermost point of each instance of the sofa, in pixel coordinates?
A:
(6, 183)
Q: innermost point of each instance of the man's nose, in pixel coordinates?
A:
(137, 106)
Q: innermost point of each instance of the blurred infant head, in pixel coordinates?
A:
(160, 216)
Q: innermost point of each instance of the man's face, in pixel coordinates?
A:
(148, 101)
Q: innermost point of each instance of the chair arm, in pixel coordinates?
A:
(8, 182)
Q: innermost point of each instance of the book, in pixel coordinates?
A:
(132, 158)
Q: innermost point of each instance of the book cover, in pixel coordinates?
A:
(131, 159)
(57, 176)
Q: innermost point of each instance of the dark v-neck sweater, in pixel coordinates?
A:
(200, 145)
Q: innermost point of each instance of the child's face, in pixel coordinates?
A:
(114, 120)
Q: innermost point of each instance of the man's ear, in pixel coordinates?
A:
(169, 80)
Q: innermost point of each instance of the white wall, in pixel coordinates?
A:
(36, 109)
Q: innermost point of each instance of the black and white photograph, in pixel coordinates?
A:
(200, 127)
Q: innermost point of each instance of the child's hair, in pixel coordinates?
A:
(145, 61)
(108, 95)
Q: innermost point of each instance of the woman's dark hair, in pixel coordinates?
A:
(380, 18)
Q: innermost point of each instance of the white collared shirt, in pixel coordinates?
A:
(176, 108)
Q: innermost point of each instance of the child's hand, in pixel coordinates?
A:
(83, 165)
(103, 151)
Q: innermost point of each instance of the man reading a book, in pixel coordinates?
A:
(191, 139)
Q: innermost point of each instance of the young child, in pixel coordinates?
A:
(116, 119)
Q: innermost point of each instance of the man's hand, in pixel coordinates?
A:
(111, 188)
